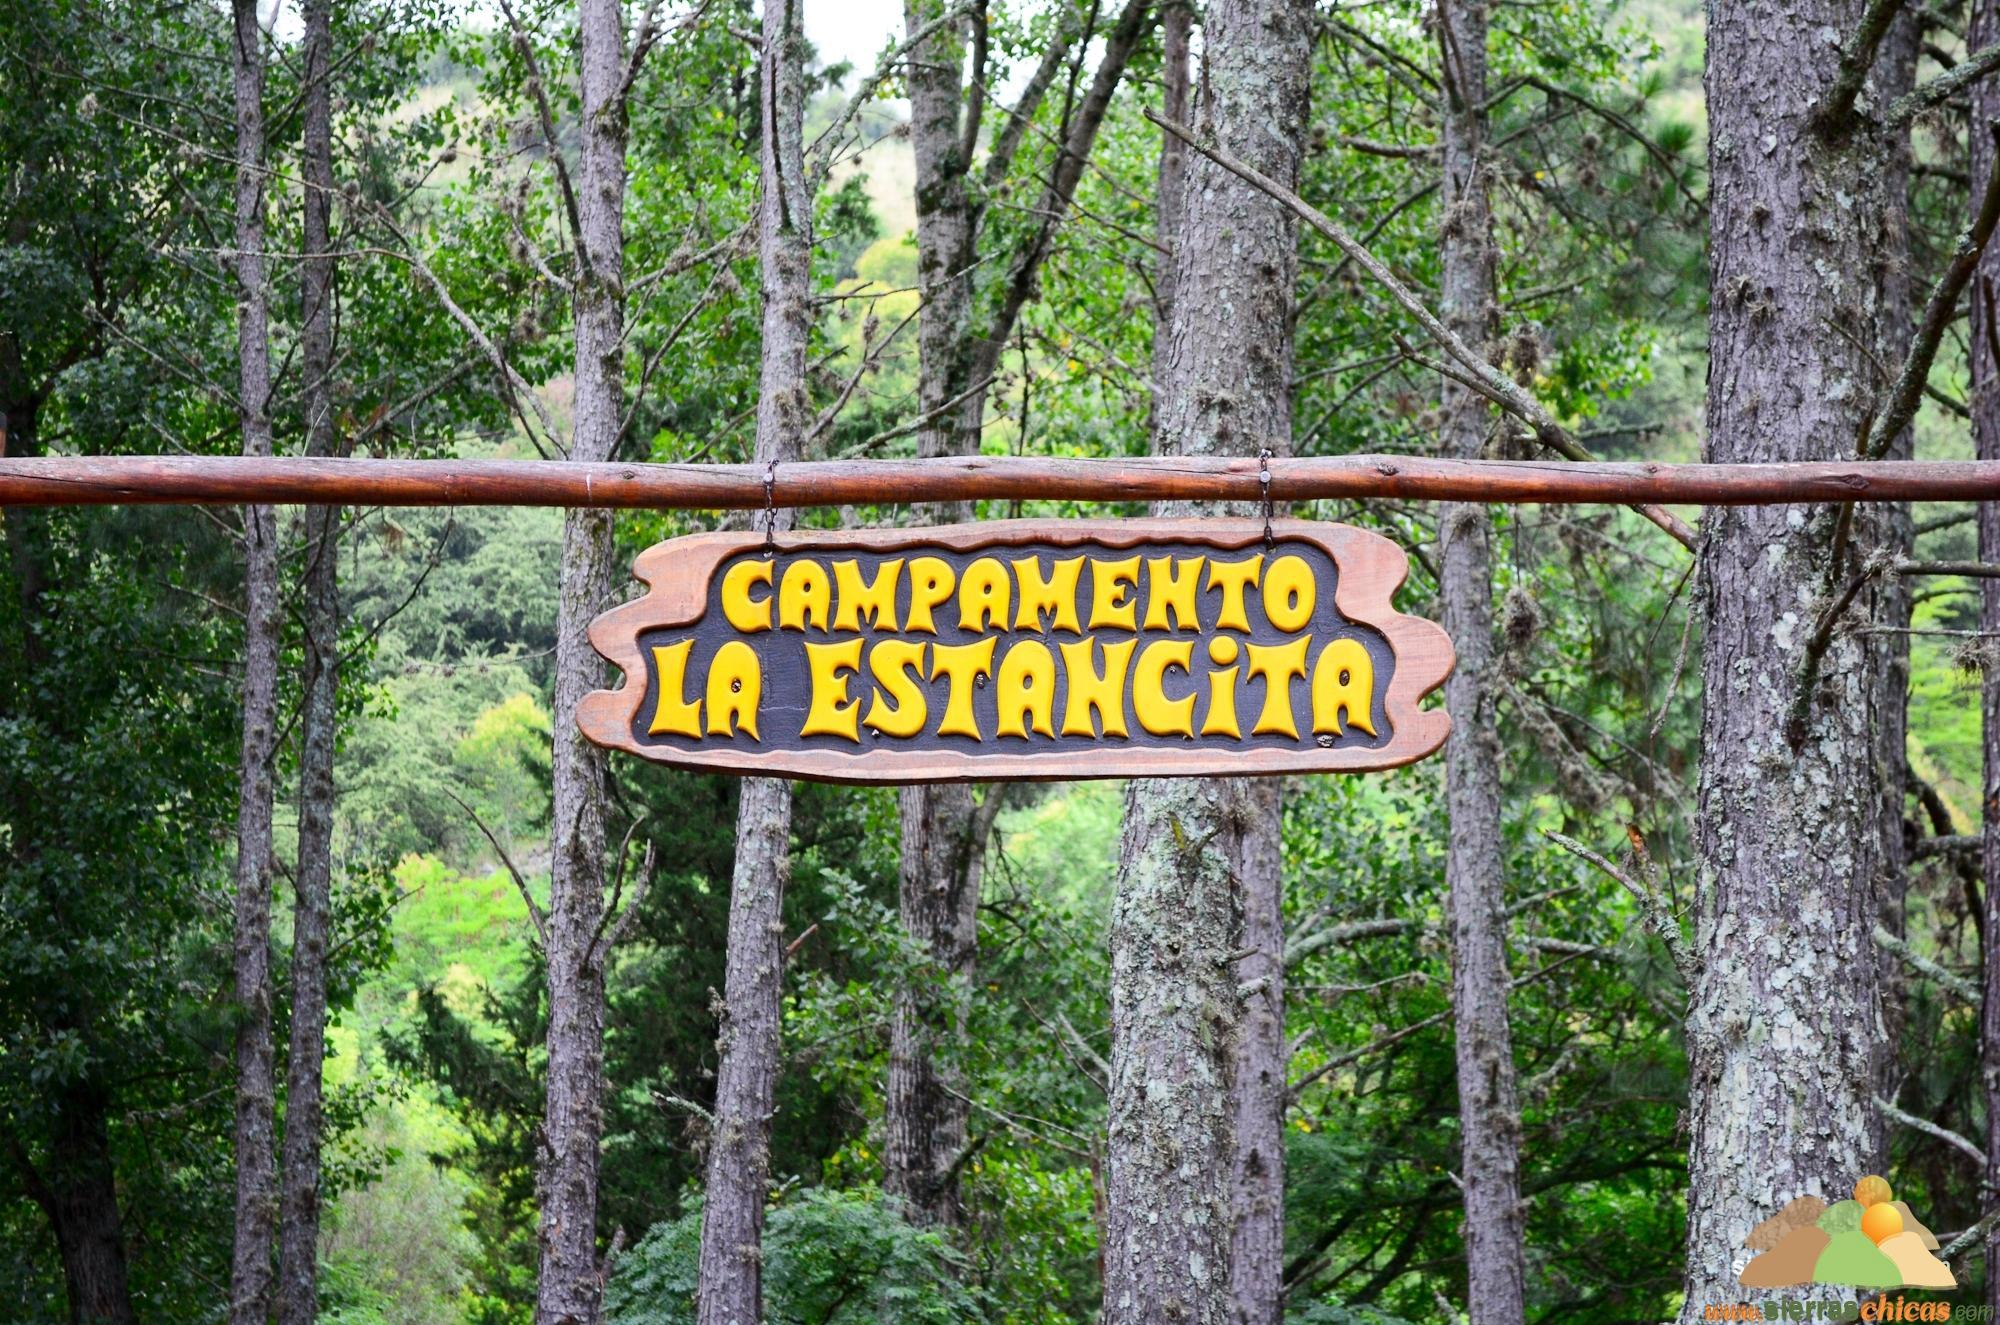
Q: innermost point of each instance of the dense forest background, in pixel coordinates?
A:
(120, 687)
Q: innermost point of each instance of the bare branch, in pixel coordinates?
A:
(1937, 90)
(526, 47)
(1008, 142)
(1933, 1130)
(1837, 111)
(1497, 385)
(535, 912)
(820, 155)
(1948, 980)
(1939, 313)
(1653, 907)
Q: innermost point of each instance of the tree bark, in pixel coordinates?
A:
(299, 1203)
(569, 1290)
(1783, 1018)
(1985, 401)
(944, 856)
(1475, 860)
(923, 1121)
(256, 1161)
(739, 1156)
(79, 1195)
(1891, 526)
(1176, 31)
(943, 845)
(1195, 1195)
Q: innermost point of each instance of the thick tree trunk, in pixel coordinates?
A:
(1783, 1019)
(80, 1197)
(1196, 1150)
(1985, 400)
(1891, 527)
(569, 1290)
(1475, 861)
(299, 1207)
(256, 1160)
(739, 1156)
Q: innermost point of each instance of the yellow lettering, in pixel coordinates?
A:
(890, 662)
(1055, 595)
(674, 716)
(931, 581)
(804, 594)
(877, 598)
(1165, 590)
(983, 594)
(1090, 689)
(1290, 593)
(1027, 689)
(1156, 713)
(745, 613)
(1279, 665)
(1109, 609)
(1220, 719)
(830, 712)
(1233, 577)
(1344, 681)
(735, 685)
(961, 664)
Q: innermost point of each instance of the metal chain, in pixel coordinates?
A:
(770, 508)
(1264, 479)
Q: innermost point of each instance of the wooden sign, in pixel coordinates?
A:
(1022, 649)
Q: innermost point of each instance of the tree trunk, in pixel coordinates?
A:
(1783, 1018)
(925, 1125)
(256, 1160)
(739, 1156)
(1891, 526)
(299, 1206)
(1196, 1148)
(926, 1122)
(944, 857)
(80, 1197)
(570, 1290)
(1985, 400)
(1475, 861)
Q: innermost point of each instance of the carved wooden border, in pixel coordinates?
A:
(1371, 568)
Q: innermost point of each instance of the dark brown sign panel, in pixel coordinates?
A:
(1022, 649)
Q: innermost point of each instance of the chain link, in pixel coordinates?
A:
(1264, 479)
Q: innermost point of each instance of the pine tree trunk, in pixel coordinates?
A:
(299, 1204)
(1984, 297)
(739, 1156)
(1891, 526)
(1783, 1019)
(256, 1159)
(1475, 861)
(570, 1290)
(1195, 1185)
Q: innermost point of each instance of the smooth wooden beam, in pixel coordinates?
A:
(231, 480)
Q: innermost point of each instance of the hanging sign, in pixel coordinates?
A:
(1022, 649)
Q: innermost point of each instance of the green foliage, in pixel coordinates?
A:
(830, 1258)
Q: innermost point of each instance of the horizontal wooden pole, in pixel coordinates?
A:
(231, 480)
